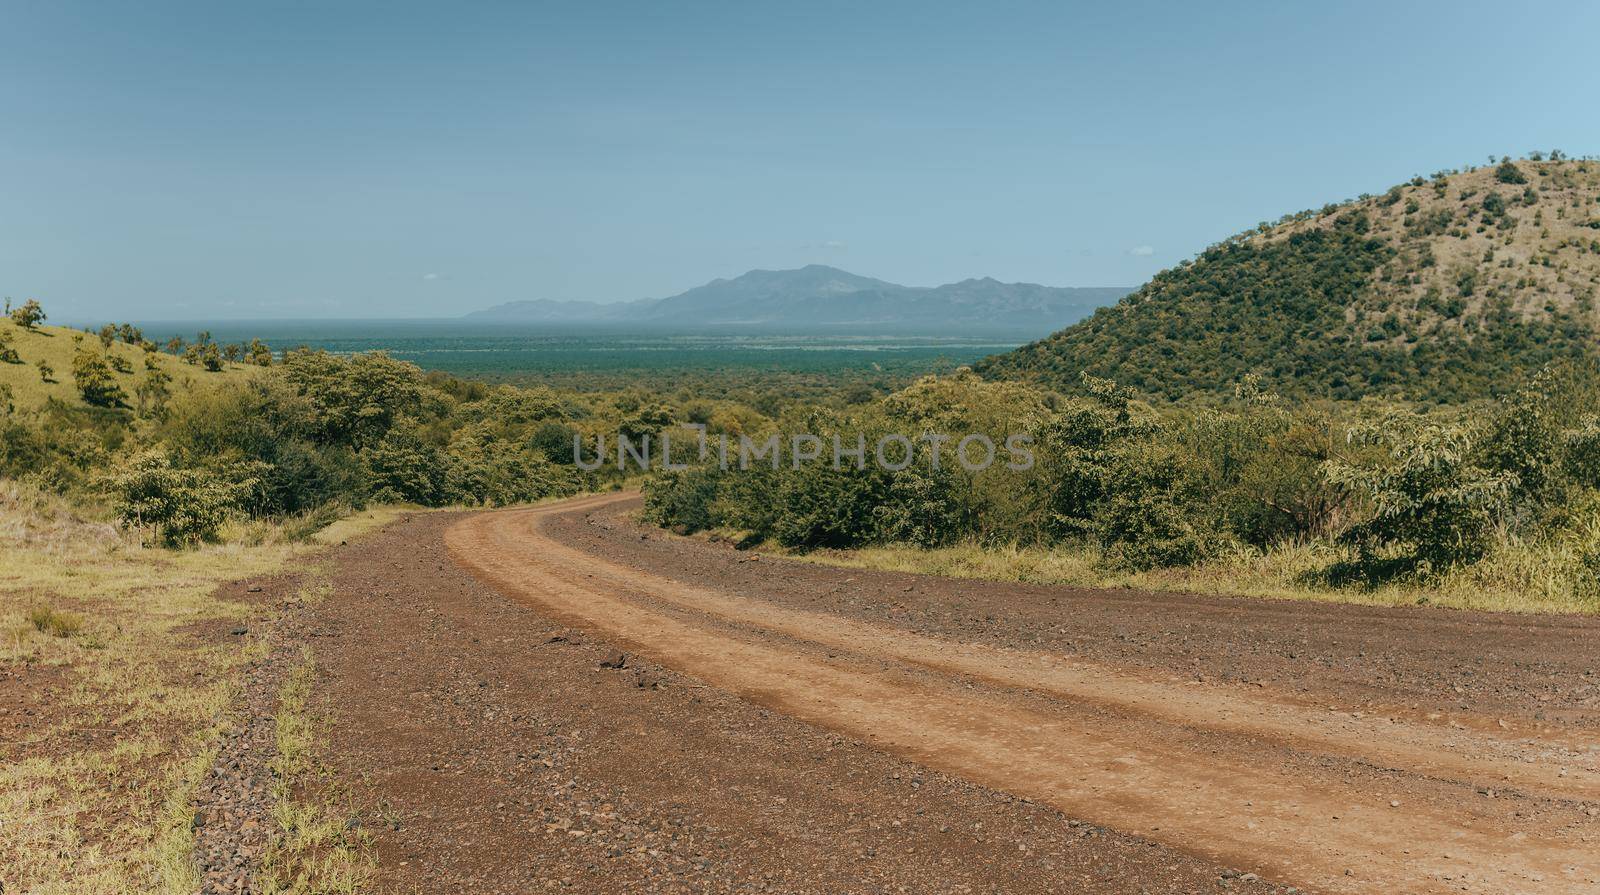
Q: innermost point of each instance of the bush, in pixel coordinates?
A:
(924, 507)
(404, 467)
(1085, 444)
(259, 354)
(1150, 516)
(1428, 500)
(819, 506)
(682, 499)
(485, 469)
(8, 351)
(1508, 172)
(183, 506)
(95, 381)
(354, 401)
(1260, 466)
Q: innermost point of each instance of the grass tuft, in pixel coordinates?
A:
(54, 622)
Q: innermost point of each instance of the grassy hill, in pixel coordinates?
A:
(56, 346)
(1444, 288)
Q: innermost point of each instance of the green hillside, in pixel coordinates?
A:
(1443, 289)
(56, 347)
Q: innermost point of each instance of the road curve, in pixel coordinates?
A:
(1257, 778)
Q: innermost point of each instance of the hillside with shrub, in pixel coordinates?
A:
(1444, 288)
(1491, 504)
(179, 440)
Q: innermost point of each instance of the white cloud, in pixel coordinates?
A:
(1142, 251)
(430, 276)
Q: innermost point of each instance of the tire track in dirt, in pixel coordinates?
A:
(1319, 830)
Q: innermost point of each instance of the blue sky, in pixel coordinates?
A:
(243, 160)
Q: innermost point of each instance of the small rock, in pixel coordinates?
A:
(615, 660)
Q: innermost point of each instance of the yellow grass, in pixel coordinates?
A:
(56, 346)
(318, 849)
(94, 795)
(1515, 577)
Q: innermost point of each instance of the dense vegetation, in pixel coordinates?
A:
(1443, 290)
(179, 440)
(1391, 492)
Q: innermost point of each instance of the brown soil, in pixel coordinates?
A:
(601, 708)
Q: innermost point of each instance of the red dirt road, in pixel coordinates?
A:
(1329, 748)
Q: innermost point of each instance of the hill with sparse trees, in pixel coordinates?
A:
(1444, 288)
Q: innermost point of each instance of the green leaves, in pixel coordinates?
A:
(1428, 498)
(95, 380)
(183, 506)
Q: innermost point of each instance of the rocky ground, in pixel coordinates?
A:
(233, 825)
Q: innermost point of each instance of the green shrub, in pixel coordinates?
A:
(1508, 172)
(1151, 515)
(8, 351)
(354, 401)
(183, 506)
(95, 381)
(259, 353)
(483, 468)
(819, 506)
(924, 507)
(683, 499)
(405, 467)
(1428, 499)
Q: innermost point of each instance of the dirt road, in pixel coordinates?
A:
(1077, 740)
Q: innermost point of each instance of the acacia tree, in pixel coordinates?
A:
(30, 315)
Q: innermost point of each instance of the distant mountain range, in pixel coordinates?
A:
(818, 296)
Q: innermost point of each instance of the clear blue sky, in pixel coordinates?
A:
(266, 159)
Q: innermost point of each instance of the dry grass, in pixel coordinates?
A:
(50, 621)
(94, 785)
(319, 850)
(1517, 576)
(1551, 258)
(57, 345)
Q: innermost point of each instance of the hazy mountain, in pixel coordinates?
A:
(819, 296)
(1442, 288)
